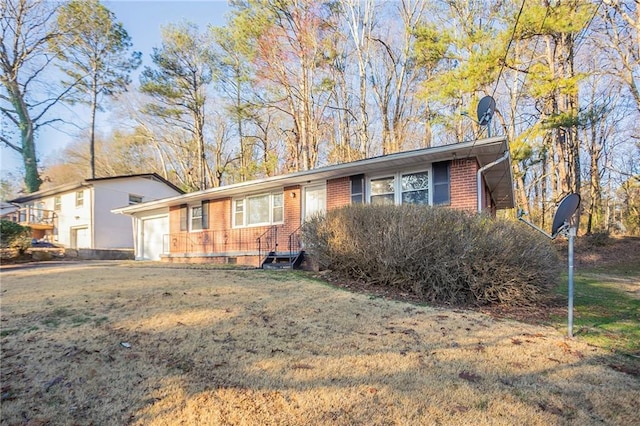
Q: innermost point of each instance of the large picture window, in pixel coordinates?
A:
(255, 210)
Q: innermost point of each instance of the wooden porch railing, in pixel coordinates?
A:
(33, 217)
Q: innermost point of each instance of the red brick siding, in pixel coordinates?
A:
(463, 185)
(174, 225)
(292, 208)
(338, 192)
(220, 214)
(174, 219)
(221, 237)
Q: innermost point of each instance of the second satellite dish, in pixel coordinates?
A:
(486, 107)
(567, 207)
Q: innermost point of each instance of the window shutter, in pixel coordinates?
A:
(183, 217)
(441, 183)
(357, 189)
(205, 214)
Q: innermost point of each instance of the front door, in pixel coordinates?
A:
(315, 201)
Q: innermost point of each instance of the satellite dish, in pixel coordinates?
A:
(486, 107)
(567, 207)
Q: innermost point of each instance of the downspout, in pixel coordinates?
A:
(92, 213)
(479, 179)
(137, 237)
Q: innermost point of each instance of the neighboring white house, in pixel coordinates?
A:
(79, 215)
(7, 208)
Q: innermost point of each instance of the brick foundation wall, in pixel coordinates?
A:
(463, 184)
(249, 261)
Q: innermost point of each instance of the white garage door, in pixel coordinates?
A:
(153, 230)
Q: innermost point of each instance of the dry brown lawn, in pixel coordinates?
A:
(251, 347)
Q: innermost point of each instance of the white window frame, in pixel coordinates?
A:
(393, 176)
(429, 185)
(190, 217)
(57, 203)
(79, 199)
(397, 183)
(246, 208)
(311, 186)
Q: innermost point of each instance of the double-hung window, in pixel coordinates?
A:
(79, 198)
(383, 190)
(256, 210)
(57, 203)
(421, 187)
(196, 218)
(401, 188)
(415, 188)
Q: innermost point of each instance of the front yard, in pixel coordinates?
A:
(122, 343)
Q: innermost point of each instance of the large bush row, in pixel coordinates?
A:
(441, 255)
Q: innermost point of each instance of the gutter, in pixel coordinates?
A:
(442, 152)
(479, 179)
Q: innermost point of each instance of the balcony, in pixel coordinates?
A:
(36, 219)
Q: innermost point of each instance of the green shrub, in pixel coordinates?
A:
(440, 254)
(14, 235)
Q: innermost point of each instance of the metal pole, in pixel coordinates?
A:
(572, 236)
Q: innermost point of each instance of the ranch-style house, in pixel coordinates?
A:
(258, 222)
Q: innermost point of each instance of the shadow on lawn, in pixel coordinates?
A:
(249, 346)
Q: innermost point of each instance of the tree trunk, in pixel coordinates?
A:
(31, 176)
(32, 179)
(92, 130)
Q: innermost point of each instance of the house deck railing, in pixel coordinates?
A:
(34, 217)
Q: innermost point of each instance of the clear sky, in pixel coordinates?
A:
(142, 19)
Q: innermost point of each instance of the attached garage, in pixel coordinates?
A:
(151, 238)
(80, 237)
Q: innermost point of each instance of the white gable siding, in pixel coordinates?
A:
(69, 216)
(92, 225)
(115, 230)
